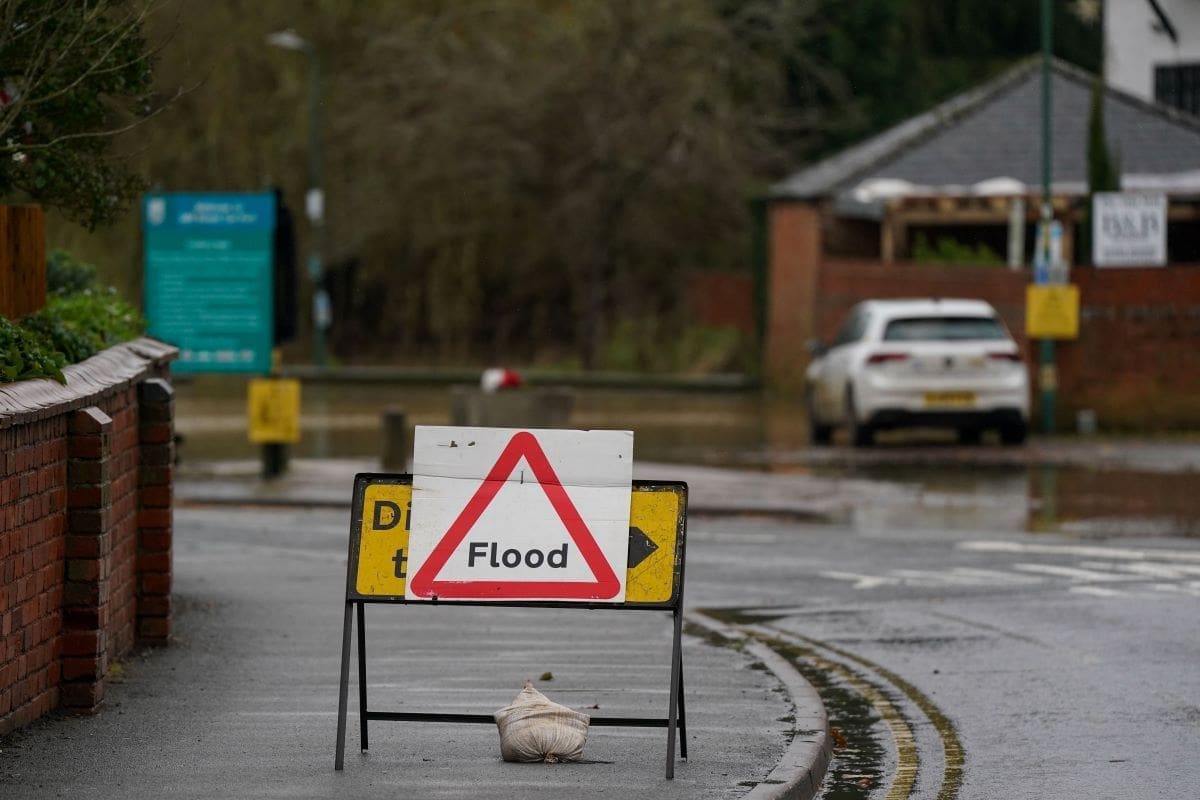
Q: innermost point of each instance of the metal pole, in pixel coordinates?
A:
(1047, 374)
(316, 206)
(343, 688)
(362, 676)
(673, 702)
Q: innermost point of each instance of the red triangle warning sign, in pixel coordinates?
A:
(426, 582)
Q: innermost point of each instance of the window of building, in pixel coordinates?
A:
(1178, 86)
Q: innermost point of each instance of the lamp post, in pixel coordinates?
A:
(1047, 372)
(314, 202)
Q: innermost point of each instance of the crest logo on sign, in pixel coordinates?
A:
(544, 565)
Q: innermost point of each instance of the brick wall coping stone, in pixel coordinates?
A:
(114, 368)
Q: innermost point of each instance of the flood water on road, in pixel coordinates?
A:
(1091, 488)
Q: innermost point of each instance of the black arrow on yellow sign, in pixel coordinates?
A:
(641, 546)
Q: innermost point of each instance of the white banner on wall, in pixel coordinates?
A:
(1129, 229)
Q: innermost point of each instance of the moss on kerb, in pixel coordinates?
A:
(740, 616)
(712, 637)
(857, 766)
(858, 708)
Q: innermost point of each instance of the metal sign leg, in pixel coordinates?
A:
(343, 690)
(362, 676)
(676, 687)
(682, 715)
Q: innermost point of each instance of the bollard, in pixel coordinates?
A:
(273, 420)
(274, 459)
(395, 437)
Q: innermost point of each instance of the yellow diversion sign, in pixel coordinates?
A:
(382, 518)
(1052, 311)
(273, 410)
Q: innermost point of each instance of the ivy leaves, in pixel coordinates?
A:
(79, 321)
(24, 355)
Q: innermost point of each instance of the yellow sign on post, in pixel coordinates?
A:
(383, 511)
(273, 410)
(1052, 311)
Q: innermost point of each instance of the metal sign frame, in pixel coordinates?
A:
(676, 719)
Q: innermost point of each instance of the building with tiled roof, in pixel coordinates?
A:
(961, 164)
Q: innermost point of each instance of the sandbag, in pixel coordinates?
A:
(535, 728)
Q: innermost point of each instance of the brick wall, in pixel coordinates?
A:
(722, 300)
(794, 258)
(85, 530)
(1137, 360)
(33, 478)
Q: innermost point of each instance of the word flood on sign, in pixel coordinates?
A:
(512, 558)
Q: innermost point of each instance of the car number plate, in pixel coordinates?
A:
(950, 399)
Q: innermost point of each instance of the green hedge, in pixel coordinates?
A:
(79, 320)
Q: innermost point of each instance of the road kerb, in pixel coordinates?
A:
(802, 767)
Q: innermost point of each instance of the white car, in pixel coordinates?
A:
(918, 363)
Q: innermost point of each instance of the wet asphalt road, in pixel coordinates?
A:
(1052, 666)
(982, 660)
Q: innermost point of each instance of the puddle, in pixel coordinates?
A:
(859, 763)
(1081, 501)
(1100, 490)
(1107, 503)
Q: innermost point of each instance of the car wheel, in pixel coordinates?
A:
(1013, 432)
(818, 433)
(861, 433)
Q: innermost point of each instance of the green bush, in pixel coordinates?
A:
(81, 325)
(65, 275)
(77, 322)
(25, 355)
(652, 345)
(947, 250)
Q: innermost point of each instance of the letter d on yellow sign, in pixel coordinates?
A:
(383, 546)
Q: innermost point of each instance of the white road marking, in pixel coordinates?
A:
(1074, 573)
(962, 577)
(1083, 551)
(1144, 571)
(987, 576)
(1190, 588)
(861, 581)
(1170, 572)
(1098, 591)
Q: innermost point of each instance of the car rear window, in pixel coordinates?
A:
(944, 329)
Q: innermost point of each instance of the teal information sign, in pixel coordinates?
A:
(208, 278)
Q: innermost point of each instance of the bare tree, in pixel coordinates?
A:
(556, 164)
(72, 76)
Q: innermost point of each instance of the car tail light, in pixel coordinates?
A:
(1016, 357)
(883, 358)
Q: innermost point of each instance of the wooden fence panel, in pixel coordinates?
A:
(22, 260)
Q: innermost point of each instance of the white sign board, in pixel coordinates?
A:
(503, 514)
(1129, 229)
